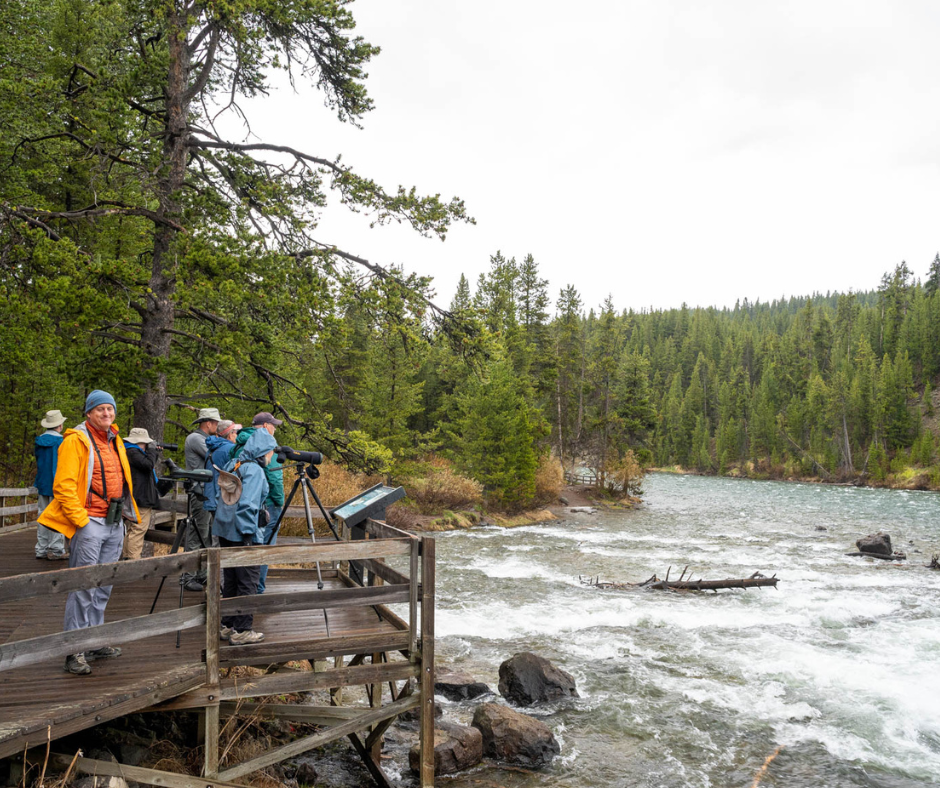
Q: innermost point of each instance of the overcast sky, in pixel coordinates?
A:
(661, 151)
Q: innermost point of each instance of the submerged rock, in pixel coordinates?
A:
(456, 685)
(527, 678)
(879, 544)
(456, 747)
(513, 737)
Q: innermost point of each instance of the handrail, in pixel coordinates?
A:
(310, 553)
(11, 511)
(82, 577)
(33, 650)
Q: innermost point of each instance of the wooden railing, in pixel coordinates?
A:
(38, 649)
(382, 585)
(582, 477)
(27, 509)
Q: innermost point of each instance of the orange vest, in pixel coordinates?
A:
(66, 513)
(107, 476)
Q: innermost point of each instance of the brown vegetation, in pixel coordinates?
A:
(549, 480)
(434, 485)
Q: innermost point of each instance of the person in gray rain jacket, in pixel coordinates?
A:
(242, 523)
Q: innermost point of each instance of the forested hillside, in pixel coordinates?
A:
(143, 252)
(835, 386)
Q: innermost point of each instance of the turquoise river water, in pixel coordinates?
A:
(839, 667)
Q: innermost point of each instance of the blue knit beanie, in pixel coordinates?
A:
(99, 397)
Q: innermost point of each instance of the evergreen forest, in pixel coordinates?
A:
(145, 252)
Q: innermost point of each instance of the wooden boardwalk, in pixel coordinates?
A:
(40, 700)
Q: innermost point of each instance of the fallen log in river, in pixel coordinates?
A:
(757, 580)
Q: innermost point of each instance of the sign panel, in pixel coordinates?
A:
(367, 504)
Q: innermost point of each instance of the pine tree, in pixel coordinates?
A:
(496, 433)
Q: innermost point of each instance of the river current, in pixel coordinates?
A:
(839, 667)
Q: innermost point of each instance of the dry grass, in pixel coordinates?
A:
(549, 480)
(335, 485)
(434, 485)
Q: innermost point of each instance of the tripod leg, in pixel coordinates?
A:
(354, 570)
(177, 541)
(313, 538)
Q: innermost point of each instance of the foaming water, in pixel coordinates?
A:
(838, 667)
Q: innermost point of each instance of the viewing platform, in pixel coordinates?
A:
(173, 658)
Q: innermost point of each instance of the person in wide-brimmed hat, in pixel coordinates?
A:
(49, 544)
(196, 452)
(142, 456)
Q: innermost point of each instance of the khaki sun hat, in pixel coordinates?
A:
(208, 414)
(52, 419)
(138, 435)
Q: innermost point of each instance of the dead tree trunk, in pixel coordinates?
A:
(757, 580)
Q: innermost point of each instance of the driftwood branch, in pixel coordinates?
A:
(757, 580)
(895, 556)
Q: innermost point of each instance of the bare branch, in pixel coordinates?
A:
(200, 83)
(117, 209)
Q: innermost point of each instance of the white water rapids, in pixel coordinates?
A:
(839, 667)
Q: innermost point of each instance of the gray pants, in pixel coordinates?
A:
(198, 534)
(96, 543)
(47, 540)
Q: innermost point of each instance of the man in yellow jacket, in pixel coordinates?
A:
(93, 496)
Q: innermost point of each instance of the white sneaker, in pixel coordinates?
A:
(246, 638)
(225, 633)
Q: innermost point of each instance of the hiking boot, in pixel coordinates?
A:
(225, 633)
(194, 585)
(57, 556)
(105, 652)
(246, 638)
(75, 663)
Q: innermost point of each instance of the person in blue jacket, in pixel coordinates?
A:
(50, 544)
(242, 523)
(218, 453)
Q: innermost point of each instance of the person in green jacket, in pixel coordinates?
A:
(274, 472)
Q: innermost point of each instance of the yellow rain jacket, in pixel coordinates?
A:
(66, 512)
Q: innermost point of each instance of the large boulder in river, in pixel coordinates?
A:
(456, 747)
(879, 544)
(527, 678)
(513, 737)
(455, 685)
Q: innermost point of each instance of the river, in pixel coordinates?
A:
(839, 667)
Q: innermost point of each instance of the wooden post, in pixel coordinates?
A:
(213, 624)
(413, 600)
(427, 662)
(375, 693)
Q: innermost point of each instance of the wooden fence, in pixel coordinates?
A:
(24, 512)
(399, 650)
(582, 476)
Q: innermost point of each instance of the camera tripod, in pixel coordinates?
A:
(182, 527)
(305, 475)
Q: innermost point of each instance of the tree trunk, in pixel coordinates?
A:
(561, 427)
(158, 315)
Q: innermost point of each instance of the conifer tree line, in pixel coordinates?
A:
(836, 386)
(145, 252)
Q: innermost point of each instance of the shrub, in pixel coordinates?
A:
(626, 475)
(549, 479)
(433, 485)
